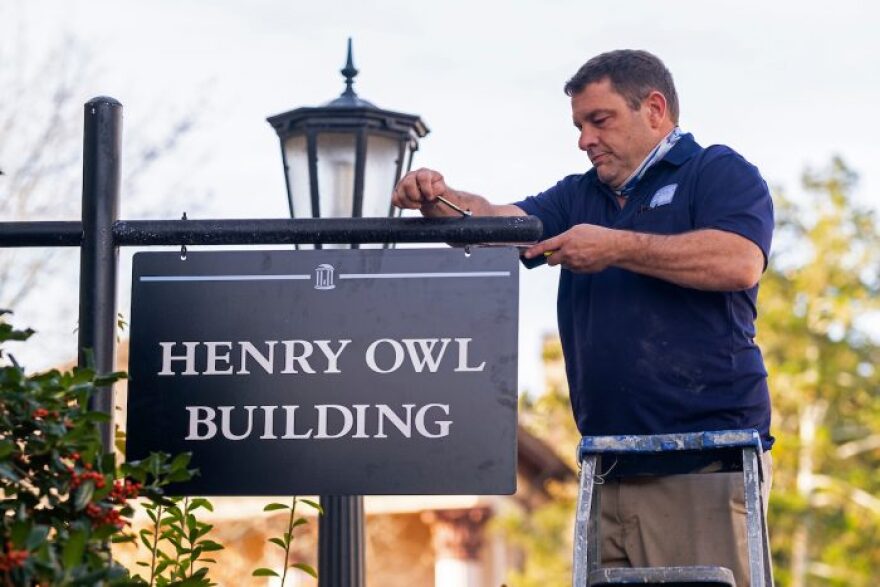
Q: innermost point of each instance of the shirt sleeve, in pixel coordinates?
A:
(552, 206)
(732, 196)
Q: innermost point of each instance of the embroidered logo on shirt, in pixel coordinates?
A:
(663, 196)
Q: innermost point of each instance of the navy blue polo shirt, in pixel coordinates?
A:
(646, 356)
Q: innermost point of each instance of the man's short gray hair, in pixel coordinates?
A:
(633, 74)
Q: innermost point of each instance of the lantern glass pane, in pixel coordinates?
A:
(380, 174)
(336, 152)
(298, 175)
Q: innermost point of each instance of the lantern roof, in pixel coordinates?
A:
(348, 111)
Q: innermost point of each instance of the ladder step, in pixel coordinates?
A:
(665, 576)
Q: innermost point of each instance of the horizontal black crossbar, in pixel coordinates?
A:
(41, 234)
(472, 230)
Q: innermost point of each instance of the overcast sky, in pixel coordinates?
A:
(787, 84)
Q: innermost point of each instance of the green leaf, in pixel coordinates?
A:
(201, 502)
(104, 532)
(204, 529)
(95, 417)
(7, 332)
(197, 581)
(210, 546)
(90, 579)
(20, 531)
(264, 572)
(74, 549)
(179, 476)
(181, 461)
(279, 542)
(305, 568)
(9, 473)
(36, 537)
(162, 500)
(108, 463)
(83, 495)
(275, 506)
(6, 448)
(108, 378)
(300, 522)
(119, 440)
(313, 504)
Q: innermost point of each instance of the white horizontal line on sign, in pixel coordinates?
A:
(305, 277)
(223, 277)
(423, 275)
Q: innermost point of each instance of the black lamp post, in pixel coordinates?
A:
(343, 159)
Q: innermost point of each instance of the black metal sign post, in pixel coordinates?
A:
(99, 234)
(102, 143)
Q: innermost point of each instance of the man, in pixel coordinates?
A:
(661, 244)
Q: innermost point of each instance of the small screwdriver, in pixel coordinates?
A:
(455, 207)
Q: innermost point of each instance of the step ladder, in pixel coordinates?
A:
(669, 454)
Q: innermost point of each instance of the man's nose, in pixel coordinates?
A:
(588, 139)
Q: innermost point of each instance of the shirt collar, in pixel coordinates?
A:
(657, 154)
(684, 149)
(681, 152)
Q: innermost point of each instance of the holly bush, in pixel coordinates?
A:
(63, 501)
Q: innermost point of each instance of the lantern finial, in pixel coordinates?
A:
(348, 98)
(349, 71)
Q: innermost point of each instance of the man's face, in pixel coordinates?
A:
(615, 137)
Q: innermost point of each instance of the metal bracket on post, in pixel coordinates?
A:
(98, 254)
(183, 246)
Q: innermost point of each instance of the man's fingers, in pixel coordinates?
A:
(411, 193)
(554, 257)
(546, 248)
(425, 182)
(397, 197)
(417, 188)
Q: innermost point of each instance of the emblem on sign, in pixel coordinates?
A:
(324, 277)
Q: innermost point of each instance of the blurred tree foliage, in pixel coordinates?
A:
(817, 300)
(544, 533)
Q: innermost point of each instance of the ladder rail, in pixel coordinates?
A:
(758, 545)
(583, 523)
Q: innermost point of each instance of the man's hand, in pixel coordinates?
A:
(418, 190)
(707, 259)
(585, 248)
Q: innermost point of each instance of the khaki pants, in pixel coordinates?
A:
(680, 520)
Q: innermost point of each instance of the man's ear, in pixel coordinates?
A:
(657, 108)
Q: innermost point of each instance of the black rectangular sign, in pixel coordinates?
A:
(333, 372)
